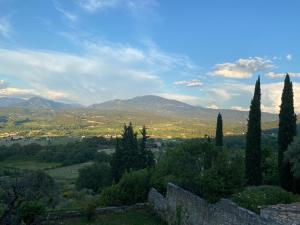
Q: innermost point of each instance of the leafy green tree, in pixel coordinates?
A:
(253, 168)
(287, 131)
(33, 191)
(219, 131)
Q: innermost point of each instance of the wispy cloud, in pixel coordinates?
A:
(95, 5)
(5, 27)
(190, 83)
(72, 17)
(289, 57)
(281, 75)
(136, 8)
(242, 68)
(3, 84)
(104, 71)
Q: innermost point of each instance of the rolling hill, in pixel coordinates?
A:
(164, 118)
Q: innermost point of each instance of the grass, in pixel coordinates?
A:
(67, 173)
(27, 165)
(133, 217)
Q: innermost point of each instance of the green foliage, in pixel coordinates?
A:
(293, 156)
(89, 209)
(219, 131)
(94, 177)
(253, 197)
(30, 193)
(200, 168)
(287, 131)
(183, 164)
(253, 169)
(270, 167)
(30, 210)
(111, 196)
(224, 178)
(146, 155)
(132, 217)
(132, 188)
(129, 155)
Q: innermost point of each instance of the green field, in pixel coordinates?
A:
(27, 165)
(67, 173)
(134, 217)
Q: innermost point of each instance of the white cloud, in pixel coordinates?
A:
(190, 83)
(137, 8)
(5, 27)
(212, 106)
(102, 72)
(193, 100)
(242, 68)
(282, 75)
(240, 108)
(289, 57)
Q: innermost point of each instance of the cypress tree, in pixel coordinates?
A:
(253, 140)
(287, 131)
(219, 131)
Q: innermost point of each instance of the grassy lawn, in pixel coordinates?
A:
(134, 217)
(27, 165)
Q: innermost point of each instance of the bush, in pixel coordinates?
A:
(202, 169)
(94, 177)
(30, 210)
(89, 209)
(253, 197)
(225, 177)
(132, 188)
(111, 196)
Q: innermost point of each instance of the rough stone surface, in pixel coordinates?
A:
(184, 208)
(285, 214)
(158, 202)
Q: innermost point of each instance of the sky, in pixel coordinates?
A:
(202, 52)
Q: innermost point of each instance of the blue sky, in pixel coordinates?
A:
(205, 53)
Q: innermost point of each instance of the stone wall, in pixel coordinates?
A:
(158, 202)
(181, 207)
(285, 214)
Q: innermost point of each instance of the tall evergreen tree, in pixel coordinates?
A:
(253, 140)
(129, 154)
(219, 131)
(287, 131)
(146, 154)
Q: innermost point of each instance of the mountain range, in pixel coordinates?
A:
(164, 117)
(149, 103)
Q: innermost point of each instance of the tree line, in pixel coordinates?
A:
(287, 130)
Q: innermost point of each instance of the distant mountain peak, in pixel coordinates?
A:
(35, 102)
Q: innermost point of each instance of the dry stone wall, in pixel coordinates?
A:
(181, 207)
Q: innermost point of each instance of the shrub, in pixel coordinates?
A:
(89, 209)
(94, 177)
(30, 210)
(132, 188)
(253, 197)
(111, 196)
(225, 177)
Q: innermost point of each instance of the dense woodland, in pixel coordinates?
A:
(253, 170)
